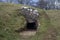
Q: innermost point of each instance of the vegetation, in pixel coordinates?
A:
(11, 19)
(55, 20)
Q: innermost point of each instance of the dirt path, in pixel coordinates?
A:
(27, 34)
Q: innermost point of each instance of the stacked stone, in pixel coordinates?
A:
(30, 14)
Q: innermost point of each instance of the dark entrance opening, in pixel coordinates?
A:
(31, 26)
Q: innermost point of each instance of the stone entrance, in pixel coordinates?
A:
(31, 15)
(32, 26)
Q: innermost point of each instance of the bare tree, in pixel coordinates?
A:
(42, 4)
(20, 1)
(10, 1)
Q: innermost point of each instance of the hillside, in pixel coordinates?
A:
(11, 19)
(55, 20)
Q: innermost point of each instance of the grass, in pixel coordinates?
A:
(55, 20)
(11, 19)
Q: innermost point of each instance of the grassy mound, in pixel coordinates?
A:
(11, 19)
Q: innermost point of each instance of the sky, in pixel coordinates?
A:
(33, 0)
